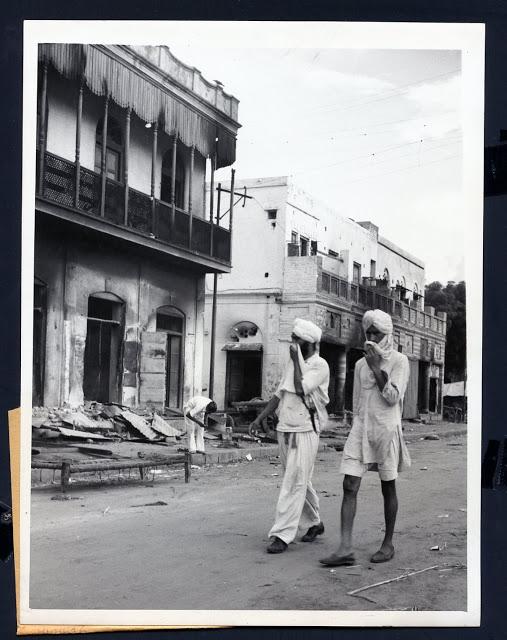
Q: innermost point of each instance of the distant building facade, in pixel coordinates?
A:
(293, 257)
(122, 240)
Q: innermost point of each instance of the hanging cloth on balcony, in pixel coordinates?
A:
(103, 75)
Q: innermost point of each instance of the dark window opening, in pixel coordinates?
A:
(304, 246)
(294, 237)
(356, 273)
(114, 148)
(166, 179)
(313, 247)
(271, 214)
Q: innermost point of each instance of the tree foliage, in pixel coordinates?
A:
(452, 300)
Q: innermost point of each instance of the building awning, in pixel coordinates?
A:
(242, 346)
(105, 75)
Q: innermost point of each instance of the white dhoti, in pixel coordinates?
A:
(298, 503)
(195, 435)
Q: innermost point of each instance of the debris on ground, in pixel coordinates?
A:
(249, 457)
(423, 469)
(74, 433)
(432, 436)
(397, 579)
(163, 427)
(159, 503)
(139, 424)
(435, 548)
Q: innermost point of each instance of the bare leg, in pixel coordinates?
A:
(351, 486)
(390, 512)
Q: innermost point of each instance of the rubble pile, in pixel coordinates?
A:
(96, 421)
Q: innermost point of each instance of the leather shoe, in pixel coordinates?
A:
(313, 532)
(276, 545)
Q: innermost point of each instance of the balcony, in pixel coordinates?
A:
(378, 298)
(125, 208)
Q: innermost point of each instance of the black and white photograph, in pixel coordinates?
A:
(251, 320)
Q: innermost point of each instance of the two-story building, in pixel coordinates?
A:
(294, 257)
(123, 240)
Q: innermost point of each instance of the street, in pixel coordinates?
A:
(202, 545)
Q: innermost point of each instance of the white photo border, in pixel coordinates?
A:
(466, 37)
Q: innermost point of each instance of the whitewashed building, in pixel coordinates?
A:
(294, 257)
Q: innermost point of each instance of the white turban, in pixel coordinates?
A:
(306, 330)
(380, 320)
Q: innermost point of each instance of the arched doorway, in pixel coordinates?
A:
(171, 321)
(104, 342)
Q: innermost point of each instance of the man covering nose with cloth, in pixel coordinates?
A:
(301, 400)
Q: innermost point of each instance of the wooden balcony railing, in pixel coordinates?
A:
(372, 299)
(158, 221)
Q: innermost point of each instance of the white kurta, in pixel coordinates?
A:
(195, 407)
(298, 503)
(376, 439)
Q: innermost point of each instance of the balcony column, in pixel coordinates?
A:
(211, 200)
(79, 116)
(126, 166)
(341, 374)
(190, 203)
(173, 183)
(103, 159)
(42, 127)
(154, 226)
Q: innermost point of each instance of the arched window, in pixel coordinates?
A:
(114, 148)
(166, 178)
(386, 276)
(171, 321)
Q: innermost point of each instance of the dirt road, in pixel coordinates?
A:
(204, 546)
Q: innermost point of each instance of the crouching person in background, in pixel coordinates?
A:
(196, 412)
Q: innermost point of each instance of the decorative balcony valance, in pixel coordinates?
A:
(104, 75)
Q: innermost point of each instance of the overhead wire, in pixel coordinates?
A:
(395, 92)
(366, 155)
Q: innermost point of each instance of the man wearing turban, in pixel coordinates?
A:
(375, 441)
(301, 399)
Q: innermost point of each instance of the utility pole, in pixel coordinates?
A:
(243, 196)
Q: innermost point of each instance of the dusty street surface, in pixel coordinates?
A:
(205, 548)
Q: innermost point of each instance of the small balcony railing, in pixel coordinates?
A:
(374, 299)
(132, 209)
